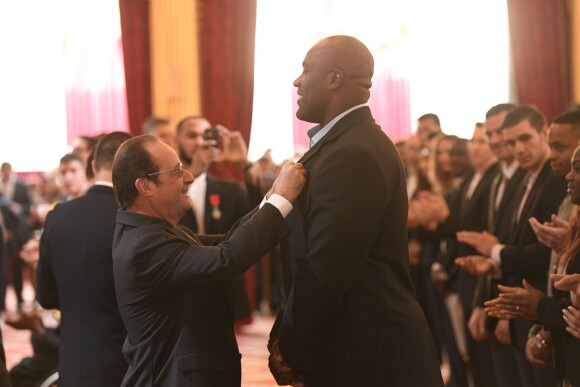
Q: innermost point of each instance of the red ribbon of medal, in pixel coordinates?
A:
(214, 200)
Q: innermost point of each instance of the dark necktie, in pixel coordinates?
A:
(491, 207)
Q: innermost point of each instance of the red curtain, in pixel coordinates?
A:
(539, 34)
(135, 33)
(95, 97)
(227, 40)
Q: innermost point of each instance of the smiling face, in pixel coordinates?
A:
(311, 84)
(168, 195)
(497, 141)
(573, 177)
(337, 75)
(562, 139)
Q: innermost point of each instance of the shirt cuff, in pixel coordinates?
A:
(280, 202)
(496, 260)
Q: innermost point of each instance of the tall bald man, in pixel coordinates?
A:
(351, 317)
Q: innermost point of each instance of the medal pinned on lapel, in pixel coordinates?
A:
(214, 200)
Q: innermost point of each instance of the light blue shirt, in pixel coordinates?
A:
(317, 132)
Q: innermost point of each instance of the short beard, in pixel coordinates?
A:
(185, 159)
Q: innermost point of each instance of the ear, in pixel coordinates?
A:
(336, 77)
(545, 131)
(144, 186)
(94, 167)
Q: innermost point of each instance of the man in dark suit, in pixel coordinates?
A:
(522, 256)
(173, 287)
(16, 195)
(500, 209)
(75, 275)
(351, 317)
(14, 190)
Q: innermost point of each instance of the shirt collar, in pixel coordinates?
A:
(317, 132)
(509, 170)
(105, 183)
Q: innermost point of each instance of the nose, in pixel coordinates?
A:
(569, 177)
(495, 138)
(187, 177)
(296, 82)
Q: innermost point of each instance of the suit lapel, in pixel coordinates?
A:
(210, 189)
(491, 213)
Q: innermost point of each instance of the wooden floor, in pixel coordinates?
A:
(252, 340)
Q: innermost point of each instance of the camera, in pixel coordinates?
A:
(213, 133)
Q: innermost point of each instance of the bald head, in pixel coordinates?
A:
(349, 55)
(337, 76)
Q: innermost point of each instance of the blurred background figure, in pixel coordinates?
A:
(428, 126)
(72, 176)
(162, 129)
(15, 204)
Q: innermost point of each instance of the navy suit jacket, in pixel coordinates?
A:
(352, 317)
(75, 275)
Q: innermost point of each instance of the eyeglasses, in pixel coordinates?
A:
(178, 171)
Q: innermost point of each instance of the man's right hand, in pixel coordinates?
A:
(290, 181)
(502, 332)
(280, 370)
(477, 324)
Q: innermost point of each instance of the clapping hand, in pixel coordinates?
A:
(551, 233)
(429, 210)
(514, 302)
(570, 283)
(476, 265)
(483, 242)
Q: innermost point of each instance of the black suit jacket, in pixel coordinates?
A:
(467, 214)
(75, 275)
(233, 204)
(499, 224)
(352, 318)
(173, 292)
(22, 196)
(523, 255)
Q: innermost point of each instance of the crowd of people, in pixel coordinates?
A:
(489, 222)
(384, 260)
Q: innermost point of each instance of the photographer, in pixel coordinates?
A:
(216, 203)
